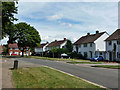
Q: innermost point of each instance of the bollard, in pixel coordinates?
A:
(15, 65)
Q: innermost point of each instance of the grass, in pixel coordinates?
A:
(108, 66)
(74, 62)
(55, 59)
(44, 77)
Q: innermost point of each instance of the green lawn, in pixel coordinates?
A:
(54, 59)
(74, 62)
(43, 77)
(108, 66)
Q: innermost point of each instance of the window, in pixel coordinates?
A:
(118, 42)
(85, 45)
(90, 44)
(100, 53)
(79, 46)
(85, 54)
(110, 43)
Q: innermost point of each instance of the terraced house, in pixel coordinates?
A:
(91, 45)
(113, 46)
(56, 44)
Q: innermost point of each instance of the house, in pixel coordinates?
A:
(41, 49)
(113, 46)
(91, 45)
(56, 44)
(14, 50)
(1, 49)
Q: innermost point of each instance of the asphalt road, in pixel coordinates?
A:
(105, 77)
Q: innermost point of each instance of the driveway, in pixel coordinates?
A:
(102, 76)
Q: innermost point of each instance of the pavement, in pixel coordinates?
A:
(102, 76)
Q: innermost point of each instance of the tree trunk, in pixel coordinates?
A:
(23, 52)
(53, 55)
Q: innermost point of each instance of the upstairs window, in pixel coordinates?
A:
(118, 42)
(85, 45)
(110, 43)
(79, 46)
(90, 44)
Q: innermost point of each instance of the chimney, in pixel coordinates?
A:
(64, 39)
(88, 33)
(97, 32)
(55, 40)
(47, 42)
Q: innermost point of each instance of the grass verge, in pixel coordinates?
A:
(74, 62)
(54, 59)
(44, 77)
(108, 66)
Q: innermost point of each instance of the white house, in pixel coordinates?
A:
(56, 44)
(41, 49)
(113, 46)
(91, 45)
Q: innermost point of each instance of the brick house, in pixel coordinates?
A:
(1, 49)
(13, 49)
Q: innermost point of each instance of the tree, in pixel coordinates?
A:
(69, 46)
(53, 50)
(26, 36)
(8, 11)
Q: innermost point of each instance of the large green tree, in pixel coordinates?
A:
(69, 46)
(8, 11)
(26, 36)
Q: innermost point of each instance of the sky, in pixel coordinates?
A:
(71, 20)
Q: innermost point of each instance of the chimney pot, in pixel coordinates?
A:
(97, 32)
(88, 33)
(64, 38)
(55, 40)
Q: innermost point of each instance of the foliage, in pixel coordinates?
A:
(5, 51)
(57, 52)
(77, 55)
(8, 11)
(26, 36)
(69, 46)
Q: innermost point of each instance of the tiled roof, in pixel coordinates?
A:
(56, 43)
(88, 38)
(42, 45)
(14, 45)
(114, 36)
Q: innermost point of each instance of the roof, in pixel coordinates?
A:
(114, 36)
(14, 45)
(88, 38)
(56, 43)
(42, 45)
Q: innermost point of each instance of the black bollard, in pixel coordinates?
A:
(15, 64)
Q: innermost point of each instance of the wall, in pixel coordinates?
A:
(100, 42)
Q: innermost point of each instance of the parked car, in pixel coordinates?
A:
(64, 55)
(97, 58)
(14, 54)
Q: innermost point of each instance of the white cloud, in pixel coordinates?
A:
(55, 17)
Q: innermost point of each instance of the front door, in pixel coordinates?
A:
(110, 56)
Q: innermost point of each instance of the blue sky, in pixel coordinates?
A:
(56, 20)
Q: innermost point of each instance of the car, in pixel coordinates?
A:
(14, 54)
(97, 58)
